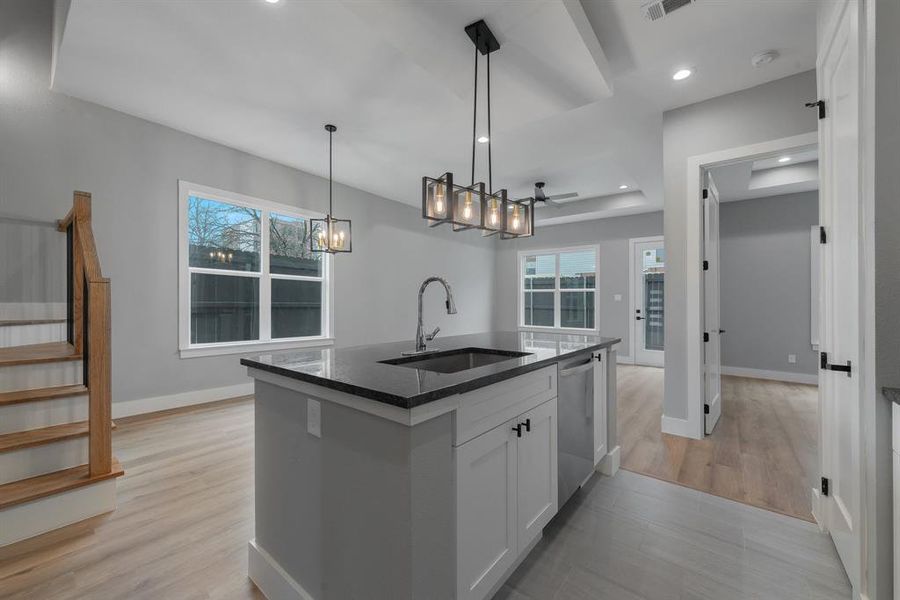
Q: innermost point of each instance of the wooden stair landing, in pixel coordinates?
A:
(43, 435)
(34, 488)
(38, 353)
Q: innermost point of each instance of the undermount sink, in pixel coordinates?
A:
(453, 361)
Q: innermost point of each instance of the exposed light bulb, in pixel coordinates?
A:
(495, 216)
(439, 199)
(467, 206)
(516, 223)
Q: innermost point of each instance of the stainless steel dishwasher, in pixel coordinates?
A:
(576, 423)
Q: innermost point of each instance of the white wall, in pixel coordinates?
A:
(765, 288)
(53, 144)
(766, 112)
(612, 236)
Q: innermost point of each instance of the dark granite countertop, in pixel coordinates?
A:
(357, 370)
(892, 394)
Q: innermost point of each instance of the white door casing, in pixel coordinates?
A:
(645, 310)
(840, 286)
(712, 355)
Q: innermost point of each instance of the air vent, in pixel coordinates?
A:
(657, 9)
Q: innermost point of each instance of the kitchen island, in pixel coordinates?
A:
(383, 476)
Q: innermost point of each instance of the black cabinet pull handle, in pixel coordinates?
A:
(518, 430)
(721, 331)
(528, 425)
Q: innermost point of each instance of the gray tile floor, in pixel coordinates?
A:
(631, 537)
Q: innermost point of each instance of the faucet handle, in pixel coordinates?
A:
(431, 336)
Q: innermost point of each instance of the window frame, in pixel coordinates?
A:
(557, 306)
(187, 349)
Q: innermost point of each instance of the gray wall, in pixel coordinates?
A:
(765, 282)
(612, 236)
(766, 112)
(53, 144)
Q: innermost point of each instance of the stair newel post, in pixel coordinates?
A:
(99, 377)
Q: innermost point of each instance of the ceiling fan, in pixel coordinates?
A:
(540, 199)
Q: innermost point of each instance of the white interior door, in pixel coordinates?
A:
(712, 359)
(839, 334)
(649, 306)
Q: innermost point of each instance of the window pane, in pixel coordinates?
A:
(577, 270)
(655, 318)
(224, 308)
(289, 252)
(540, 272)
(539, 309)
(576, 309)
(296, 308)
(223, 236)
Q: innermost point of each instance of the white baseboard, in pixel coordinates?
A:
(817, 509)
(271, 579)
(609, 464)
(624, 360)
(680, 427)
(141, 406)
(27, 520)
(772, 375)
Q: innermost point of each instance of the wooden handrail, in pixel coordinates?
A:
(91, 329)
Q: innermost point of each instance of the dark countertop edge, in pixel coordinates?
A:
(891, 393)
(411, 402)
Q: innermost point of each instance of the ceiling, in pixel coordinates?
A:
(578, 88)
(768, 176)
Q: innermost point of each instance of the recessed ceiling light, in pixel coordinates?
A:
(272, 1)
(483, 139)
(681, 74)
(784, 159)
(623, 186)
(760, 59)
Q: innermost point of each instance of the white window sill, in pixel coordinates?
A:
(570, 331)
(252, 347)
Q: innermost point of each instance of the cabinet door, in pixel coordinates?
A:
(536, 467)
(485, 510)
(599, 401)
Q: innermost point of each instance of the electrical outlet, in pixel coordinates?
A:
(792, 358)
(314, 417)
(617, 297)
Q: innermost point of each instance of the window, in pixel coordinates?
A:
(558, 289)
(247, 277)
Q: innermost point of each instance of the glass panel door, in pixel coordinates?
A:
(649, 316)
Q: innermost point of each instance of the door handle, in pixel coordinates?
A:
(639, 318)
(823, 361)
(721, 331)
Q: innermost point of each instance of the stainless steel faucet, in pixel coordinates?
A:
(421, 336)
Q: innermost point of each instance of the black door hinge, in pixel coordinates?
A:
(706, 265)
(705, 336)
(706, 409)
(824, 486)
(823, 362)
(705, 193)
(821, 106)
(823, 237)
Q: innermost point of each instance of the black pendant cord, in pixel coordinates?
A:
(474, 115)
(330, 179)
(490, 137)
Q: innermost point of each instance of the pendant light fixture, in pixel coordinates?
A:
(477, 206)
(329, 234)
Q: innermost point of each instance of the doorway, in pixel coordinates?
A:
(648, 272)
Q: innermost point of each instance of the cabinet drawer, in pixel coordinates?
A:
(483, 409)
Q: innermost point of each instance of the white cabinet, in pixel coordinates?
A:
(536, 483)
(506, 491)
(599, 400)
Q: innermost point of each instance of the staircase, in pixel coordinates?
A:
(56, 463)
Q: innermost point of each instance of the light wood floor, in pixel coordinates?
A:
(186, 513)
(762, 452)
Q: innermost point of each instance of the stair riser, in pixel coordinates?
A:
(43, 413)
(23, 335)
(46, 514)
(38, 460)
(29, 377)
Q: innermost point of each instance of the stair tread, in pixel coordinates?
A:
(44, 435)
(38, 353)
(14, 322)
(46, 393)
(34, 488)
